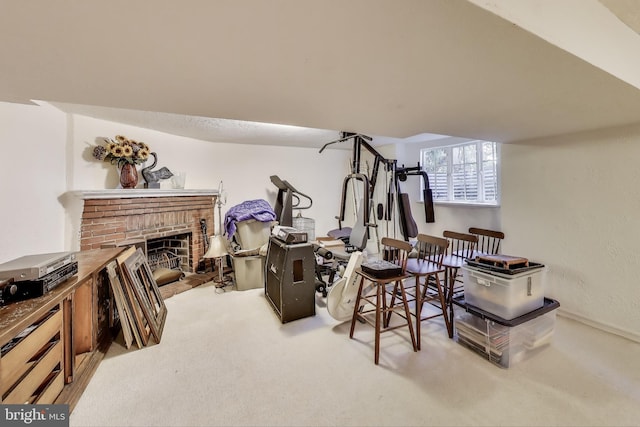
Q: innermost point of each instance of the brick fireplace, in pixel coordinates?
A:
(116, 216)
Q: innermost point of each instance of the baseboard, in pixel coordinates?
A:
(599, 325)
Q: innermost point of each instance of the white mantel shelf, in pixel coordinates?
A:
(138, 193)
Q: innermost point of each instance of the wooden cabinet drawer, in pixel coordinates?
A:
(51, 345)
(42, 344)
(19, 359)
(51, 389)
(41, 369)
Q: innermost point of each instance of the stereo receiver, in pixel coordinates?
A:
(35, 267)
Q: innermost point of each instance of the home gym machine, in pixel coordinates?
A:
(384, 211)
(395, 210)
(288, 198)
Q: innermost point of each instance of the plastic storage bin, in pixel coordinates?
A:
(503, 342)
(252, 234)
(504, 295)
(248, 272)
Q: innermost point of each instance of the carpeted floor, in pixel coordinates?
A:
(225, 359)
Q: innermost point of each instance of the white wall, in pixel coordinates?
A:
(573, 204)
(33, 177)
(244, 169)
(38, 214)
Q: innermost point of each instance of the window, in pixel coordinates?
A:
(464, 173)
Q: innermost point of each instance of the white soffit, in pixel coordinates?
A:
(627, 10)
(381, 68)
(589, 29)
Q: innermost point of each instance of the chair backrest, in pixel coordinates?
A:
(396, 251)
(488, 240)
(460, 244)
(432, 248)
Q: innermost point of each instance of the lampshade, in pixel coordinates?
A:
(217, 247)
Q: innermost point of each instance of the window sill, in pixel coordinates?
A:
(465, 204)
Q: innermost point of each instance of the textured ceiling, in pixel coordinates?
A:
(390, 69)
(207, 128)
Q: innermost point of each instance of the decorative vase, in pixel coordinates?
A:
(128, 176)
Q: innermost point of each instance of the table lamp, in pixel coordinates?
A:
(217, 250)
(217, 243)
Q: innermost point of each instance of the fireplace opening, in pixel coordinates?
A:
(170, 253)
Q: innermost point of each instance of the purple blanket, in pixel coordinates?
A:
(259, 209)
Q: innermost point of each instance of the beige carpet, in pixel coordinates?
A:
(225, 359)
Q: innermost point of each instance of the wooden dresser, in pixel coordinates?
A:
(52, 345)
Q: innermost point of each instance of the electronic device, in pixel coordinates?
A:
(7, 291)
(381, 269)
(34, 267)
(289, 235)
(18, 291)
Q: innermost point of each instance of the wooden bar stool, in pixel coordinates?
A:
(384, 300)
(427, 269)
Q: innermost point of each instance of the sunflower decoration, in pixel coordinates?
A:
(121, 150)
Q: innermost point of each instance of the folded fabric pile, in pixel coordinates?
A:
(258, 209)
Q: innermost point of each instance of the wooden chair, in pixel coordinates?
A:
(427, 268)
(384, 300)
(462, 246)
(488, 240)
